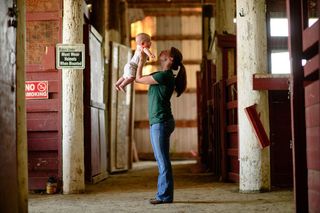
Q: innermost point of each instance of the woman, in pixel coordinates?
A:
(172, 77)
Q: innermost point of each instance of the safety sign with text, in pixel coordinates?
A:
(70, 56)
(36, 89)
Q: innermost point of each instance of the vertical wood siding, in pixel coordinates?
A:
(178, 30)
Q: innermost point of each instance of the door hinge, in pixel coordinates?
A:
(12, 13)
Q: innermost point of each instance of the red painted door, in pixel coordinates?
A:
(8, 145)
(44, 23)
(280, 139)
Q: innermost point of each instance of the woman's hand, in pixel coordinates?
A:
(147, 79)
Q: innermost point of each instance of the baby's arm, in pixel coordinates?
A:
(148, 52)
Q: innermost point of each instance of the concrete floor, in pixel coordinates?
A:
(194, 192)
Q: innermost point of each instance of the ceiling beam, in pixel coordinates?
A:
(167, 3)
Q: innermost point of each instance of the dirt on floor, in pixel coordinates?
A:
(194, 192)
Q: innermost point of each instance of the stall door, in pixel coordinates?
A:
(120, 111)
(43, 30)
(280, 138)
(94, 108)
(8, 145)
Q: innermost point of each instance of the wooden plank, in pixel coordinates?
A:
(312, 66)
(232, 128)
(311, 37)
(172, 12)
(312, 94)
(43, 16)
(168, 4)
(278, 43)
(179, 124)
(232, 152)
(233, 140)
(257, 126)
(233, 164)
(44, 164)
(39, 76)
(95, 142)
(185, 62)
(313, 148)
(11, 174)
(188, 90)
(231, 80)
(222, 127)
(173, 156)
(232, 104)
(42, 144)
(313, 180)
(314, 198)
(103, 147)
(46, 105)
(120, 111)
(37, 182)
(227, 41)
(232, 176)
(42, 125)
(270, 82)
(313, 116)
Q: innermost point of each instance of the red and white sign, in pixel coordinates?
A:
(36, 89)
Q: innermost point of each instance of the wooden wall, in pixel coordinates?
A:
(182, 30)
(44, 129)
(183, 139)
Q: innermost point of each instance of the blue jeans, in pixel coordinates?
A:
(160, 140)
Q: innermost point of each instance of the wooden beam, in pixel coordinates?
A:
(270, 82)
(310, 42)
(174, 37)
(311, 67)
(179, 124)
(168, 3)
(172, 12)
(188, 90)
(257, 126)
(173, 155)
(278, 43)
(299, 156)
(185, 62)
(227, 40)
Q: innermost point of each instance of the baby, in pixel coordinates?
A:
(143, 41)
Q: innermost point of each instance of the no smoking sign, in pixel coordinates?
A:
(36, 89)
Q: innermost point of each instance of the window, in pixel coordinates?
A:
(279, 27)
(280, 63)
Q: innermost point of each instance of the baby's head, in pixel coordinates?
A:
(143, 39)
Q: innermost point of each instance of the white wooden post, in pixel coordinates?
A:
(72, 104)
(251, 59)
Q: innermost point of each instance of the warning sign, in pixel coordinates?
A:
(36, 89)
(70, 56)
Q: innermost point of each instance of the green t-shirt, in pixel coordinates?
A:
(159, 96)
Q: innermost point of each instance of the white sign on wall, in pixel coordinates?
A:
(70, 56)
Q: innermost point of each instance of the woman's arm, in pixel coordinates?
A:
(146, 79)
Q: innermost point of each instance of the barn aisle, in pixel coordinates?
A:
(194, 192)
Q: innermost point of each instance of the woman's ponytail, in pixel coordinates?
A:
(181, 78)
